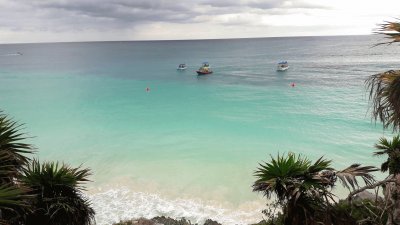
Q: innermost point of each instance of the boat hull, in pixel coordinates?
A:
(282, 68)
(203, 73)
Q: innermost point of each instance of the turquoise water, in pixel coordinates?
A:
(188, 147)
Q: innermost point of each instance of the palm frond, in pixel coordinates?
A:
(59, 193)
(14, 203)
(13, 196)
(276, 176)
(320, 165)
(13, 149)
(384, 97)
(386, 147)
(391, 30)
(390, 148)
(348, 176)
(55, 174)
(291, 176)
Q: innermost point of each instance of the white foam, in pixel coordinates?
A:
(12, 54)
(119, 204)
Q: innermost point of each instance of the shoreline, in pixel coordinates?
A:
(163, 220)
(114, 205)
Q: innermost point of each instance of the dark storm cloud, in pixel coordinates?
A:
(264, 4)
(120, 12)
(60, 15)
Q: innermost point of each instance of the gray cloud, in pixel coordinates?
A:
(85, 20)
(265, 4)
(118, 14)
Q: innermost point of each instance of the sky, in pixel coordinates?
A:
(112, 20)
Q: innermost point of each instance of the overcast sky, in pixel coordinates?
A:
(102, 20)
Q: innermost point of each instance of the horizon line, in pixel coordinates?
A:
(160, 40)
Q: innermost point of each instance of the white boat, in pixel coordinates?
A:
(181, 67)
(282, 66)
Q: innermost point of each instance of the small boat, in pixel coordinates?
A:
(204, 69)
(182, 67)
(282, 66)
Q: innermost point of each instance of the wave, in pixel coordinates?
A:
(114, 205)
(12, 54)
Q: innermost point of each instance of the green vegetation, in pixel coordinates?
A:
(385, 97)
(303, 189)
(384, 88)
(391, 149)
(33, 193)
(14, 198)
(57, 189)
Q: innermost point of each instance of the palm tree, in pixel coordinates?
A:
(59, 198)
(391, 148)
(303, 188)
(384, 88)
(384, 94)
(13, 157)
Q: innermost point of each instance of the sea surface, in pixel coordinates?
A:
(188, 146)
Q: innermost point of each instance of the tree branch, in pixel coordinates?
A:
(371, 186)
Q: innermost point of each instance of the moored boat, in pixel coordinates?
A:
(204, 69)
(181, 67)
(282, 66)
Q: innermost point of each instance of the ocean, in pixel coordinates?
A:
(166, 142)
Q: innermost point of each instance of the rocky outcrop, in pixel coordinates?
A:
(162, 220)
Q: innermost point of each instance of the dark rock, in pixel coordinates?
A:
(140, 221)
(162, 220)
(169, 221)
(211, 222)
(366, 195)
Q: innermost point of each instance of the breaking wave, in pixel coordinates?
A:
(119, 204)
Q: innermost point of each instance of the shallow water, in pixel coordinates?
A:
(188, 147)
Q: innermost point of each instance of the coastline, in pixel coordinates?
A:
(119, 204)
(163, 220)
